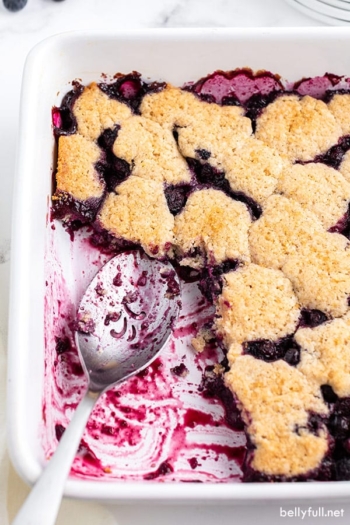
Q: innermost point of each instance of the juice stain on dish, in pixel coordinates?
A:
(158, 425)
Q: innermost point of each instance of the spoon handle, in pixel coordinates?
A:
(41, 506)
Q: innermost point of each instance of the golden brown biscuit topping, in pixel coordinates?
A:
(287, 260)
(299, 128)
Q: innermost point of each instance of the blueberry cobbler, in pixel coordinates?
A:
(243, 182)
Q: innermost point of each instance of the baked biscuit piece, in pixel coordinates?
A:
(214, 134)
(254, 169)
(320, 274)
(256, 303)
(138, 212)
(201, 126)
(339, 105)
(325, 354)
(319, 189)
(76, 174)
(151, 151)
(214, 224)
(299, 128)
(276, 400)
(281, 230)
(176, 107)
(344, 167)
(95, 112)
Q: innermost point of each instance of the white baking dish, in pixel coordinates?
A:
(175, 56)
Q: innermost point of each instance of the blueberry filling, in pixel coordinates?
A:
(334, 156)
(176, 196)
(130, 89)
(107, 138)
(315, 424)
(316, 87)
(311, 318)
(64, 121)
(108, 243)
(339, 421)
(257, 103)
(203, 154)
(230, 100)
(328, 394)
(343, 225)
(211, 281)
(71, 210)
(112, 169)
(206, 174)
(205, 97)
(235, 87)
(331, 92)
(186, 273)
(285, 348)
(342, 469)
(212, 386)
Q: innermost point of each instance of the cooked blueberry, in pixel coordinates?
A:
(64, 121)
(131, 89)
(227, 266)
(292, 356)
(230, 100)
(334, 156)
(328, 394)
(203, 154)
(211, 282)
(257, 103)
(113, 170)
(176, 197)
(107, 138)
(263, 349)
(342, 470)
(285, 348)
(339, 426)
(312, 318)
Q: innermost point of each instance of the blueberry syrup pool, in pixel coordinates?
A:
(175, 421)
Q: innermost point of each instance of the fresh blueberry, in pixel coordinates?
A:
(15, 5)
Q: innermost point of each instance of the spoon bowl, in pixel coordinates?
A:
(123, 321)
(125, 317)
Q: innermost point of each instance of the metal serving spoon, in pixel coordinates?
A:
(124, 319)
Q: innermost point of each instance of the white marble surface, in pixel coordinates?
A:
(18, 34)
